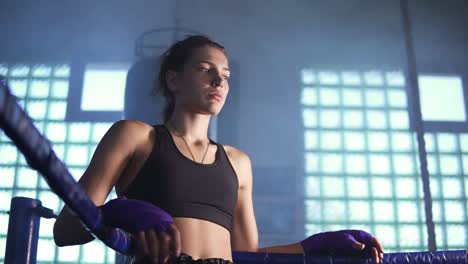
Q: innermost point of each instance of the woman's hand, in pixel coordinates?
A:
(156, 236)
(157, 247)
(344, 242)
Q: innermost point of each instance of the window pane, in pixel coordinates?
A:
(77, 155)
(4, 219)
(62, 71)
(399, 119)
(449, 165)
(57, 111)
(376, 119)
(68, 253)
(454, 211)
(56, 132)
(397, 98)
(354, 141)
(59, 89)
(330, 141)
(335, 211)
(330, 118)
(457, 235)
(313, 210)
(104, 87)
(309, 117)
(328, 77)
(407, 211)
(442, 98)
(312, 186)
(355, 183)
(332, 163)
(41, 70)
(446, 142)
(79, 132)
(311, 140)
(356, 164)
(47, 252)
(395, 78)
(403, 164)
(309, 96)
(352, 97)
(375, 98)
(39, 89)
(7, 176)
(5, 200)
(382, 187)
(406, 188)
(311, 163)
(410, 236)
(386, 235)
(36, 109)
(8, 154)
(308, 76)
(353, 119)
(26, 178)
(351, 78)
(333, 187)
(379, 164)
(329, 97)
(19, 88)
(359, 210)
(19, 71)
(401, 141)
(93, 252)
(383, 211)
(378, 141)
(373, 78)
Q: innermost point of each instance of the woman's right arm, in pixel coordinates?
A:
(112, 155)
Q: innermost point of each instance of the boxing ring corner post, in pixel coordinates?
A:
(23, 230)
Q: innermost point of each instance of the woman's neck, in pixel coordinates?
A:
(192, 128)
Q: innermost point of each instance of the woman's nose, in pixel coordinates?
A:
(217, 80)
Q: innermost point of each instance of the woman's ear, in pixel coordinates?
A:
(172, 81)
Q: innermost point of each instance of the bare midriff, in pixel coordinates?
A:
(203, 239)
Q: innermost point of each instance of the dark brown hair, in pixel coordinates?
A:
(174, 59)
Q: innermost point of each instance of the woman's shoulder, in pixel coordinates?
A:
(132, 131)
(131, 127)
(236, 156)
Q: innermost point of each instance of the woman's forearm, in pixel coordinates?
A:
(68, 230)
(291, 248)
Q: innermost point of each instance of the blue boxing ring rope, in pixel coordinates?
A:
(40, 156)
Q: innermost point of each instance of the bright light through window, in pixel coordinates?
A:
(104, 87)
(442, 98)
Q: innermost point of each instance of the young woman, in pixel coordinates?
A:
(205, 186)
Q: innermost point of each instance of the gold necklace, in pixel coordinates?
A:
(186, 144)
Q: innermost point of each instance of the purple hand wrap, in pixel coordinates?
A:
(134, 215)
(337, 242)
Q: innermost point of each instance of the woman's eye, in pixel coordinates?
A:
(205, 69)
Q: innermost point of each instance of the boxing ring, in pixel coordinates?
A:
(25, 213)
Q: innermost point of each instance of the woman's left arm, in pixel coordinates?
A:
(244, 235)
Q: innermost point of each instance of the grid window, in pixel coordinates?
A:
(361, 157)
(43, 91)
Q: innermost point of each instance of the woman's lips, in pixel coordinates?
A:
(217, 97)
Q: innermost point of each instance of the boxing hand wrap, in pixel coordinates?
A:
(340, 242)
(134, 215)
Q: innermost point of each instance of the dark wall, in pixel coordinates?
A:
(270, 41)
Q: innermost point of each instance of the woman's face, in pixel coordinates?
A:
(202, 86)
